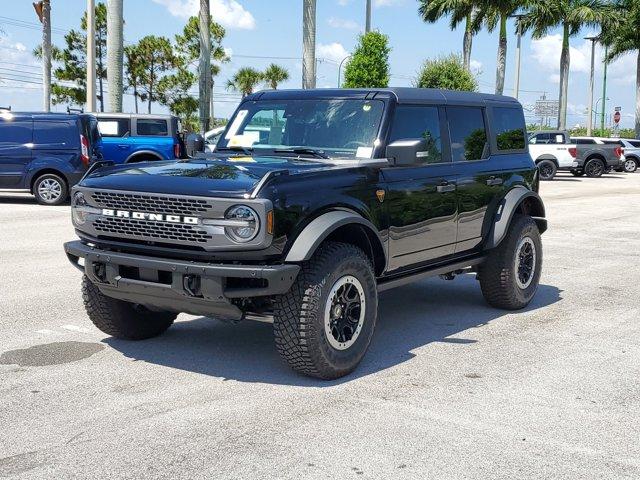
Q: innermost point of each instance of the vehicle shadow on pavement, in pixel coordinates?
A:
(409, 318)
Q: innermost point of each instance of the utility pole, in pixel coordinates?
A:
(604, 90)
(43, 10)
(205, 66)
(367, 27)
(516, 86)
(591, 84)
(309, 44)
(115, 54)
(91, 56)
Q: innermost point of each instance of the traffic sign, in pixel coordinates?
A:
(616, 117)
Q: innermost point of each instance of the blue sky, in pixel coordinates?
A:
(261, 28)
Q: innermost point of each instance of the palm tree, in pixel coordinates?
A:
(274, 75)
(626, 38)
(115, 54)
(493, 14)
(309, 44)
(571, 15)
(459, 10)
(245, 81)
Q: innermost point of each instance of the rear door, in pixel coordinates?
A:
(16, 141)
(115, 133)
(154, 134)
(421, 198)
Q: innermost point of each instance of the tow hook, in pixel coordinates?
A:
(192, 285)
(451, 275)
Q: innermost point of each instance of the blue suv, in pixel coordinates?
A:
(128, 138)
(46, 153)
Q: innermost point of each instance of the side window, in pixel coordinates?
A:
(152, 128)
(468, 134)
(558, 139)
(58, 134)
(510, 128)
(115, 127)
(635, 144)
(412, 122)
(15, 133)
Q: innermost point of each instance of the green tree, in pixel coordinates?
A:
(625, 38)
(157, 58)
(571, 16)
(446, 72)
(133, 69)
(173, 91)
(368, 67)
(71, 62)
(274, 75)
(245, 81)
(188, 44)
(460, 11)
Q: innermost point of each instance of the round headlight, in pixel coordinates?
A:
(246, 223)
(78, 215)
(79, 200)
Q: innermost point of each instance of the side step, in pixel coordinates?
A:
(414, 276)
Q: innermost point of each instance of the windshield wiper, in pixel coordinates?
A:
(244, 150)
(303, 151)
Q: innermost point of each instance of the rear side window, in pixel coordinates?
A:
(468, 134)
(56, 134)
(153, 128)
(412, 122)
(114, 127)
(583, 141)
(12, 132)
(510, 128)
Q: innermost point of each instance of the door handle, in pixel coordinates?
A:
(446, 187)
(493, 181)
(123, 147)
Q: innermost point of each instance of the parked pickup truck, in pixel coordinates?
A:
(598, 155)
(344, 194)
(130, 138)
(552, 151)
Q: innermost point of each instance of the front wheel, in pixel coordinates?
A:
(510, 275)
(324, 324)
(594, 168)
(630, 165)
(50, 189)
(547, 170)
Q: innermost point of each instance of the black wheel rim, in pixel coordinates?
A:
(344, 312)
(546, 170)
(594, 169)
(525, 262)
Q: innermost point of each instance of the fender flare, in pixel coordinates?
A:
(144, 152)
(546, 156)
(321, 227)
(507, 209)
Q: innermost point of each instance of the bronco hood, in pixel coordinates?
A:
(223, 177)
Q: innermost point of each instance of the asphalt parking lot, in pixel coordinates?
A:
(450, 388)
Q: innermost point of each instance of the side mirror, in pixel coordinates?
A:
(194, 144)
(407, 151)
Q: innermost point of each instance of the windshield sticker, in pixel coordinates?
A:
(364, 152)
(245, 141)
(241, 159)
(235, 126)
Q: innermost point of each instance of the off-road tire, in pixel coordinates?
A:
(53, 179)
(497, 274)
(547, 169)
(121, 319)
(594, 168)
(299, 315)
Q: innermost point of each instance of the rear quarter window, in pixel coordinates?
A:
(510, 128)
(56, 134)
(152, 128)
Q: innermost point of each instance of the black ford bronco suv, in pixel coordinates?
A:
(314, 202)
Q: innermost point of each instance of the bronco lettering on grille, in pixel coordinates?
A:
(154, 217)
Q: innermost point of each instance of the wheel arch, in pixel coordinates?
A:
(143, 153)
(547, 156)
(340, 226)
(45, 171)
(518, 200)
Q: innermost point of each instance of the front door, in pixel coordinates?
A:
(421, 198)
(16, 143)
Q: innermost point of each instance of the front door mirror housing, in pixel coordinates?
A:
(407, 151)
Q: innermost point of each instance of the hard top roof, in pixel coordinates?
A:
(10, 115)
(150, 116)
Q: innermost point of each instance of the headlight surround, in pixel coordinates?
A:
(246, 223)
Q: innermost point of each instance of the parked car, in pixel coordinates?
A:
(552, 151)
(46, 153)
(352, 192)
(129, 138)
(598, 155)
(631, 154)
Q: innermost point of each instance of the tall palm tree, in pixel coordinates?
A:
(245, 81)
(308, 43)
(493, 14)
(460, 11)
(115, 54)
(626, 38)
(274, 75)
(571, 16)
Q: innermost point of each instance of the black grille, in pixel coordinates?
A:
(151, 230)
(151, 203)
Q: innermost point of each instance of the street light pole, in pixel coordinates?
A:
(516, 86)
(91, 56)
(604, 90)
(367, 27)
(340, 67)
(591, 83)
(205, 66)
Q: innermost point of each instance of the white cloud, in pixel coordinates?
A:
(387, 3)
(229, 13)
(332, 51)
(476, 67)
(342, 23)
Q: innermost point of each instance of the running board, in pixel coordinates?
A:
(429, 272)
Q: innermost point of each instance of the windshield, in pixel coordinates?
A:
(336, 128)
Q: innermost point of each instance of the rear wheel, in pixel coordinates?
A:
(594, 168)
(121, 319)
(50, 189)
(630, 165)
(510, 275)
(547, 169)
(324, 324)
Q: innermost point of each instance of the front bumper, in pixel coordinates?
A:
(198, 288)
